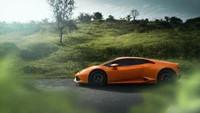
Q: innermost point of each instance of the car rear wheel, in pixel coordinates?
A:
(98, 78)
(166, 76)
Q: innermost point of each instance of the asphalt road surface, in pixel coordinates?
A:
(106, 99)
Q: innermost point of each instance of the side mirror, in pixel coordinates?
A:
(114, 65)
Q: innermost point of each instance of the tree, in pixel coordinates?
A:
(97, 16)
(157, 20)
(71, 25)
(45, 21)
(134, 13)
(193, 20)
(62, 11)
(84, 17)
(128, 17)
(188, 41)
(147, 20)
(167, 18)
(193, 23)
(32, 22)
(175, 21)
(110, 18)
(122, 19)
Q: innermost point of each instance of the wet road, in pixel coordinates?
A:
(107, 99)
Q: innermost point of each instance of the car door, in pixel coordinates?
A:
(126, 71)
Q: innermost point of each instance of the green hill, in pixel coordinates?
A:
(38, 53)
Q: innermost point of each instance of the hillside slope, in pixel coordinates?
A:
(39, 54)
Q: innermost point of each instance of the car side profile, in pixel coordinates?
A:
(125, 70)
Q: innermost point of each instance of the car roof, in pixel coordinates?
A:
(119, 58)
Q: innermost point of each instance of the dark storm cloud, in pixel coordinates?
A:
(158, 8)
(188, 7)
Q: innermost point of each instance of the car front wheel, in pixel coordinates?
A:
(97, 78)
(166, 76)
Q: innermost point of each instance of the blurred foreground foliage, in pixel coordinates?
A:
(17, 96)
(182, 97)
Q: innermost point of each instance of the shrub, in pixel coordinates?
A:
(146, 27)
(8, 48)
(27, 55)
(84, 17)
(37, 51)
(34, 70)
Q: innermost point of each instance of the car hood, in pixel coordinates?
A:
(93, 67)
(90, 68)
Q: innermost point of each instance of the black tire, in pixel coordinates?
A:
(97, 78)
(166, 76)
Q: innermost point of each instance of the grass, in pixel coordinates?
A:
(40, 55)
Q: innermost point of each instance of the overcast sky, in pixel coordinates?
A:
(26, 10)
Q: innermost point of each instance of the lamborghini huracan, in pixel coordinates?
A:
(124, 70)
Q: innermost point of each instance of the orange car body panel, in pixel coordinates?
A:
(125, 73)
(143, 73)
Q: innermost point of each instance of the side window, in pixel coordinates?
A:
(128, 62)
(141, 61)
(124, 62)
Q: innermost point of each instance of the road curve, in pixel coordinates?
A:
(106, 99)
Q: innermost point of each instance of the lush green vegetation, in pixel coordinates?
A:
(38, 53)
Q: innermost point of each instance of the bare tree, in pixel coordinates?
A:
(62, 11)
(134, 13)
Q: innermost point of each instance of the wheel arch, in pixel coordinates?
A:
(167, 68)
(98, 70)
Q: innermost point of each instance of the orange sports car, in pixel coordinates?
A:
(129, 70)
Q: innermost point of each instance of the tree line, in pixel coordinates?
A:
(142, 25)
(63, 10)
